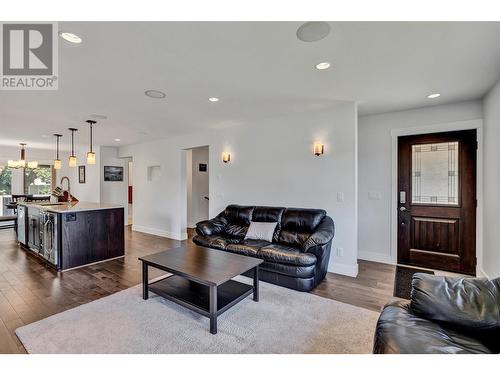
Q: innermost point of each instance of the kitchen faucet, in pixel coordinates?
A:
(69, 188)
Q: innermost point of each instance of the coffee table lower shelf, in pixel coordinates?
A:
(196, 297)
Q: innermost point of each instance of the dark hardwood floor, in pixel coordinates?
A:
(29, 291)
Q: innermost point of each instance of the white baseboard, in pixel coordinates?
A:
(344, 269)
(157, 232)
(480, 273)
(375, 257)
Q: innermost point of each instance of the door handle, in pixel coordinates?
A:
(404, 209)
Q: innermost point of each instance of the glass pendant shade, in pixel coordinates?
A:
(91, 153)
(57, 161)
(72, 157)
(90, 157)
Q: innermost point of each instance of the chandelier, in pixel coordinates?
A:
(22, 163)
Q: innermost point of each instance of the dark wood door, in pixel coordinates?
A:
(437, 201)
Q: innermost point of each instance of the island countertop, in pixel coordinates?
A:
(71, 207)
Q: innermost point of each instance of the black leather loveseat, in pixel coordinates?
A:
(297, 257)
(444, 315)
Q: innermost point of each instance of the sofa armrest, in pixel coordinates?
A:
(211, 227)
(324, 234)
(399, 330)
(470, 305)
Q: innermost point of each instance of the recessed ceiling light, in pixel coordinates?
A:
(323, 65)
(313, 31)
(433, 96)
(45, 136)
(117, 139)
(213, 99)
(70, 37)
(155, 94)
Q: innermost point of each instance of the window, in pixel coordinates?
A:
(38, 181)
(435, 173)
(5, 180)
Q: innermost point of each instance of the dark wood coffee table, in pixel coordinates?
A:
(201, 279)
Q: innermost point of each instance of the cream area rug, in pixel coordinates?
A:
(283, 321)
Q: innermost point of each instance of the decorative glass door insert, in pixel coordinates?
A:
(435, 173)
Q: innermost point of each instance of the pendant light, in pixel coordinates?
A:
(21, 163)
(91, 153)
(72, 157)
(57, 161)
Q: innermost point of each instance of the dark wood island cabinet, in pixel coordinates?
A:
(91, 236)
(69, 235)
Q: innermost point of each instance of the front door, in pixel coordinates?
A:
(437, 201)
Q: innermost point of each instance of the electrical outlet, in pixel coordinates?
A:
(340, 251)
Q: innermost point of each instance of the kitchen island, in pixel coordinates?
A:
(70, 235)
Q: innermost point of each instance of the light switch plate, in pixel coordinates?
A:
(340, 196)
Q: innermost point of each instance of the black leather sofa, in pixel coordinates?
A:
(445, 315)
(297, 257)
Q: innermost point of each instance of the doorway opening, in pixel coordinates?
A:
(437, 202)
(130, 192)
(197, 186)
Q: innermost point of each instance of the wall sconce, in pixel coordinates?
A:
(319, 149)
(226, 157)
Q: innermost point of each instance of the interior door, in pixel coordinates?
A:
(437, 201)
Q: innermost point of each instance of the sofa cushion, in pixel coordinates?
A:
(400, 331)
(283, 254)
(302, 219)
(239, 215)
(211, 227)
(297, 224)
(265, 214)
(238, 218)
(291, 270)
(236, 231)
(246, 247)
(216, 242)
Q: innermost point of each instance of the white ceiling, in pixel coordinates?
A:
(258, 70)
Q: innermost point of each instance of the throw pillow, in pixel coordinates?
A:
(261, 231)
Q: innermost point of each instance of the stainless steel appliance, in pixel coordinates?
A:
(34, 229)
(21, 224)
(50, 237)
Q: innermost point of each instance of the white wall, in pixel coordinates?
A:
(198, 207)
(491, 251)
(375, 173)
(189, 188)
(115, 192)
(271, 164)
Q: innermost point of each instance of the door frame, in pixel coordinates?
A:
(438, 128)
(183, 185)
